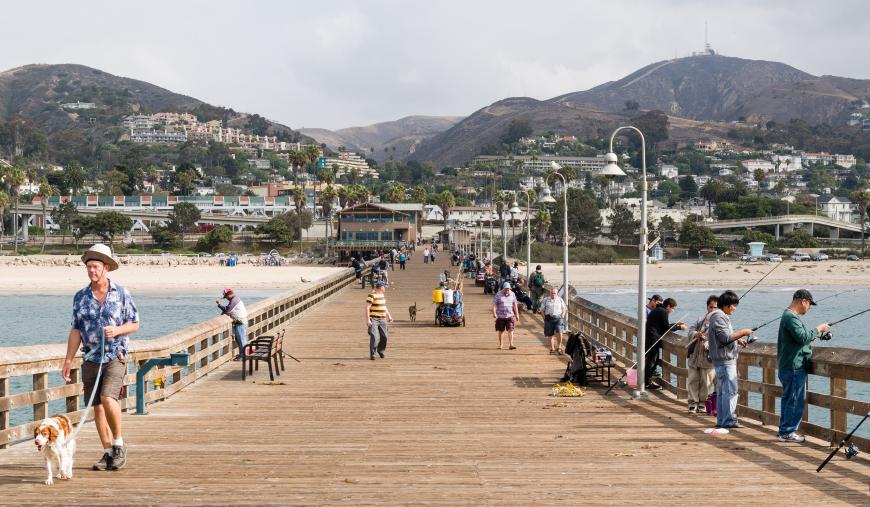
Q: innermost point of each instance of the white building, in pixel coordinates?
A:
(543, 163)
(346, 162)
(788, 163)
(838, 208)
(79, 105)
(752, 164)
(669, 171)
(260, 163)
(845, 161)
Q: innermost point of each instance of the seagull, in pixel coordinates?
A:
(304, 280)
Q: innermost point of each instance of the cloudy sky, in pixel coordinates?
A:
(333, 64)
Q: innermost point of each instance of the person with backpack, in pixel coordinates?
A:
(536, 284)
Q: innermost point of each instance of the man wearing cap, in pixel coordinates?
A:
(235, 310)
(377, 316)
(793, 356)
(103, 315)
(652, 303)
(505, 312)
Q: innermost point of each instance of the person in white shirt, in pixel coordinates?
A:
(555, 313)
(235, 310)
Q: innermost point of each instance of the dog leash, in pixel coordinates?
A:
(75, 432)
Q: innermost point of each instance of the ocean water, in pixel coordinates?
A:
(760, 306)
(34, 319)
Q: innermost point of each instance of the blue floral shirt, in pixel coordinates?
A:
(90, 317)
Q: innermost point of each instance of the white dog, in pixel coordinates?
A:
(52, 439)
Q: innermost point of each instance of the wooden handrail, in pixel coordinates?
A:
(839, 365)
(209, 344)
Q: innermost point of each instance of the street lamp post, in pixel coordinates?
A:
(546, 198)
(492, 217)
(528, 193)
(613, 170)
(514, 211)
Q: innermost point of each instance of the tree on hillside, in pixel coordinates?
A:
(396, 192)
(446, 201)
(584, 219)
(515, 130)
(13, 177)
(74, 177)
(758, 175)
(710, 192)
(183, 218)
(688, 187)
(622, 223)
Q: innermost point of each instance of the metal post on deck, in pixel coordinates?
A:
(179, 359)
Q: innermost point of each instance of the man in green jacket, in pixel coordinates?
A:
(793, 358)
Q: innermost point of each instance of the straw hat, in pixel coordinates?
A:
(102, 253)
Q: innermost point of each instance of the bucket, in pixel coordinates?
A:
(631, 377)
(448, 297)
(437, 296)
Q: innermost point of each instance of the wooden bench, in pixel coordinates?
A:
(269, 348)
(594, 369)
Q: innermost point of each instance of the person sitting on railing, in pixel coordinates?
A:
(793, 356)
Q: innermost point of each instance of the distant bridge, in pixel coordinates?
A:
(785, 224)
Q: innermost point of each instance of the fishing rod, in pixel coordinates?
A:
(851, 451)
(778, 264)
(849, 317)
(668, 330)
(756, 328)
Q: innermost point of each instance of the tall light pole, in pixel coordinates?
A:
(492, 217)
(547, 197)
(514, 210)
(613, 170)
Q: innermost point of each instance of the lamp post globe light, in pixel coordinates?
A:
(514, 211)
(547, 198)
(492, 217)
(613, 170)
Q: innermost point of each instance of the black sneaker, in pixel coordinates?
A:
(372, 357)
(104, 463)
(119, 457)
(381, 354)
(652, 387)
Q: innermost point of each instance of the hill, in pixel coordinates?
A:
(400, 137)
(703, 91)
(35, 94)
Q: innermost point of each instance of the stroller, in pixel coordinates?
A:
(451, 314)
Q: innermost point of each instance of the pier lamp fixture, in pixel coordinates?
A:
(492, 218)
(547, 198)
(612, 170)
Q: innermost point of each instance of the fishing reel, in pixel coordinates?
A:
(826, 336)
(751, 339)
(852, 451)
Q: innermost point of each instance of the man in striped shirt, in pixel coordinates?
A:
(377, 316)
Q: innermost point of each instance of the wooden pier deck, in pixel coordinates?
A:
(445, 419)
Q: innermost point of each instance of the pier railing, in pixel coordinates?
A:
(209, 344)
(844, 369)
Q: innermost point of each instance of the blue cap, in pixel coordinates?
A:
(380, 284)
(506, 285)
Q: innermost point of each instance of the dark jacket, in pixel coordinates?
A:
(656, 325)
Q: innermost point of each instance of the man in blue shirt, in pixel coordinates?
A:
(103, 315)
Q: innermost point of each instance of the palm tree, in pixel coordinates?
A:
(396, 192)
(446, 200)
(299, 200)
(861, 198)
(327, 197)
(46, 190)
(4, 201)
(14, 177)
(758, 175)
(543, 221)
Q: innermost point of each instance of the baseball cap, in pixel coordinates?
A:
(379, 284)
(655, 297)
(506, 285)
(804, 294)
(227, 291)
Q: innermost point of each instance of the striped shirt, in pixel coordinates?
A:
(553, 307)
(378, 308)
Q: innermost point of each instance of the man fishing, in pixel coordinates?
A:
(793, 356)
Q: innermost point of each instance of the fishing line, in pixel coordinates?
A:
(778, 264)
(756, 328)
(668, 330)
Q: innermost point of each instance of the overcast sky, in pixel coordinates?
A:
(336, 64)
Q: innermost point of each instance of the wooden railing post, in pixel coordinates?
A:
(838, 417)
(73, 402)
(742, 372)
(4, 415)
(40, 382)
(768, 399)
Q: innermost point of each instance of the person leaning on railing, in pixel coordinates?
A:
(724, 342)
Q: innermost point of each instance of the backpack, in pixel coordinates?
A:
(538, 279)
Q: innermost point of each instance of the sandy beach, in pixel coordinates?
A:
(713, 275)
(144, 278)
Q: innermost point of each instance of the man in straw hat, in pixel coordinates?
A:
(103, 315)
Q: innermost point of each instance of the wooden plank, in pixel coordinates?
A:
(838, 417)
